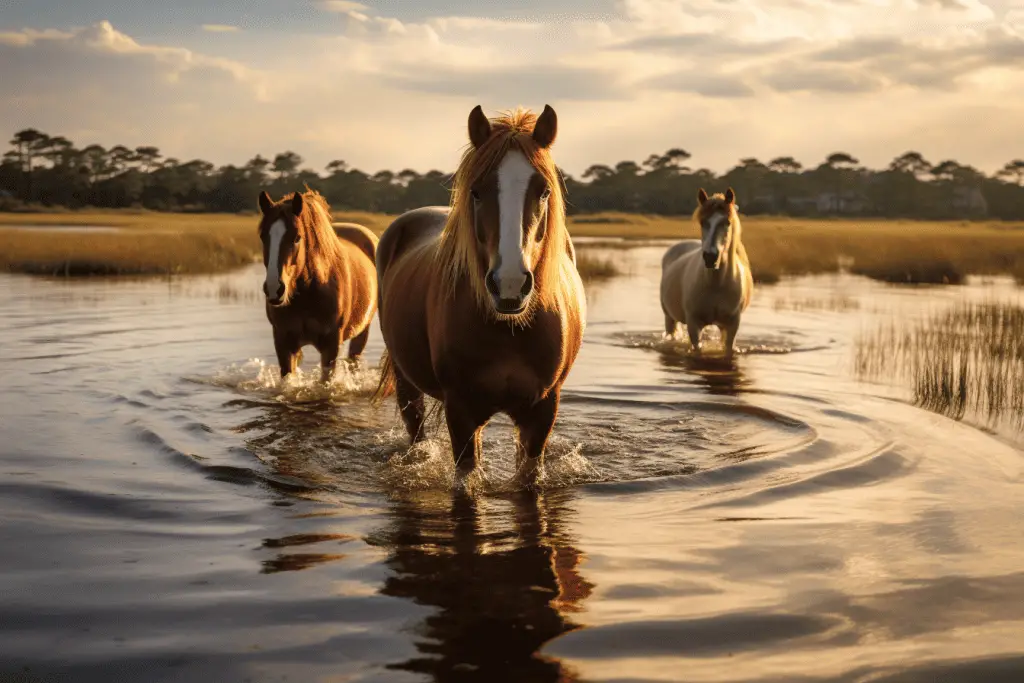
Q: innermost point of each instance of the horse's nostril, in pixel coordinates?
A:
(491, 282)
(527, 286)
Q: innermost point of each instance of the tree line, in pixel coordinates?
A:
(47, 170)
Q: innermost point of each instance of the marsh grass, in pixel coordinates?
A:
(836, 303)
(965, 360)
(593, 267)
(888, 250)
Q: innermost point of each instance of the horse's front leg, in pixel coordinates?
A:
(465, 428)
(357, 344)
(533, 427)
(729, 331)
(287, 349)
(693, 331)
(329, 347)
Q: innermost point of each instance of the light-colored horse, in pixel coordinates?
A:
(708, 281)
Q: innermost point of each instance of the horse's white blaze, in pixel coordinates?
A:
(514, 175)
(711, 240)
(273, 259)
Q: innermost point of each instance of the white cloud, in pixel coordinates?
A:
(219, 28)
(722, 78)
(343, 6)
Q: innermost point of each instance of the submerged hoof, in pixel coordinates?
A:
(528, 473)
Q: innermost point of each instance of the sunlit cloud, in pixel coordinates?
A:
(219, 28)
(724, 79)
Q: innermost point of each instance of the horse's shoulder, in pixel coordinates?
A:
(410, 227)
(360, 236)
(677, 251)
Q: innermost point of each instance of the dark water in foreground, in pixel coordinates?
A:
(168, 512)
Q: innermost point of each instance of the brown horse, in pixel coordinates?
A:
(481, 305)
(321, 285)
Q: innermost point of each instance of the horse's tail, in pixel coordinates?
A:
(386, 385)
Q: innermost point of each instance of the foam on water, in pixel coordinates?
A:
(257, 376)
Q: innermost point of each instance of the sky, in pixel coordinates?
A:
(389, 84)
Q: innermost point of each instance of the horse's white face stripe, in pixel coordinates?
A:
(273, 260)
(514, 173)
(711, 235)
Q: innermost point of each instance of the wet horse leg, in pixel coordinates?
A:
(729, 331)
(410, 403)
(329, 347)
(670, 325)
(465, 428)
(358, 343)
(287, 349)
(693, 330)
(533, 427)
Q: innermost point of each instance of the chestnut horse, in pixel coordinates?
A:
(708, 281)
(321, 285)
(481, 305)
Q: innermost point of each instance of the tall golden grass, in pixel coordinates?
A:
(965, 360)
(890, 250)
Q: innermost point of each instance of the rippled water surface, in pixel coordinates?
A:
(171, 512)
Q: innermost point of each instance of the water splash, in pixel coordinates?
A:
(711, 343)
(257, 376)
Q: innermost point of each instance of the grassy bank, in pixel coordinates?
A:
(890, 250)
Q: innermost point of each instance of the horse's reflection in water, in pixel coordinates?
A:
(502, 571)
(502, 574)
(718, 375)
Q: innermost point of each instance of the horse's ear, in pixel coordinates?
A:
(702, 196)
(546, 128)
(479, 126)
(730, 196)
(266, 203)
(297, 204)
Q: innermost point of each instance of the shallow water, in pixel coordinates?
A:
(170, 512)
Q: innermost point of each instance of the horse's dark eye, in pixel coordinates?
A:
(298, 238)
(545, 194)
(474, 195)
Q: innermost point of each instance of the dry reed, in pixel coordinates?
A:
(968, 359)
(893, 251)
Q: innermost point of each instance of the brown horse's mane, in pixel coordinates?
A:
(322, 250)
(716, 204)
(457, 250)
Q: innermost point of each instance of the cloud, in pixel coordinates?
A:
(517, 84)
(387, 92)
(817, 79)
(707, 85)
(342, 6)
(220, 28)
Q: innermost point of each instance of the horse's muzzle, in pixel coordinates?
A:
(710, 259)
(278, 298)
(506, 305)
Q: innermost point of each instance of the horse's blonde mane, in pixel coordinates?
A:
(457, 251)
(322, 247)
